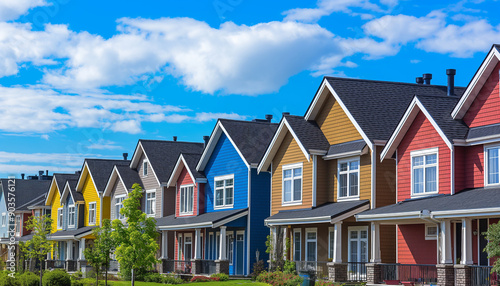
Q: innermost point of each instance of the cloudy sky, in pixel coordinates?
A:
(85, 79)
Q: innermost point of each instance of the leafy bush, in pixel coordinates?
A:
(289, 267)
(327, 283)
(258, 267)
(204, 279)
(279, 278)
(56, 278)
(221, 276)
(86, 282)
(29, 279)
(6, 280)
(153, 277)
(171, 279)
(77, 275)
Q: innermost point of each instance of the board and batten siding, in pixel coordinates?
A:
(150, 182)
(118, 190)
(289, 153)
(90, 195)
(225, 160)
(185, 179)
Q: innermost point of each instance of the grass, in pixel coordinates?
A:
(225, 283)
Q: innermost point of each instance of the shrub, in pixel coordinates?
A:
(171, 279)
(6, 280)
(77, 275)
(221, 276)
(86, 282)
(56, 278)
(29, 279)
(258, 267)
(153, 277)
(289, 267)
(327, 283)
(204, 279)
(279, 278)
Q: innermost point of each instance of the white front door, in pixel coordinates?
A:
(358, 244)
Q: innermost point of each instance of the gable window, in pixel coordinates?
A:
(59, 218)
(292, 183)
(431, 232)
(186, 199)
(296, 245)
(492, 166)
(118, 206)
(224, 191)
(424, 165)
(4, 219)
(150, 202)
(145, 168)
(92, 213)
(348, 179)
(71, 215)
(311, 243)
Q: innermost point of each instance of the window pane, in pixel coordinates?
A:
(190, 199)
(418, 181)
(229, 182)
(297, 172)
(311, 251)
(219, 200)
(332, 244)
(343, 185)
(219, 184)
(430, 179)
(353, 180)
(431, 159)
(297, 189)
(354, 251)
(354, 234)
(287, 173)
(183, 197)
(364, 234)
(287, 190)
(229, 196)
(418, 161)
(343, 167)
(493, 166)
(311, 235)
(354, 165)
(296, 247)
(364, 251)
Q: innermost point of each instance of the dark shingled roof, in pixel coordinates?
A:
(78, 197)
(211, 217)
(129, 176)
(40, 202)
(351, 146)
(163, 155)
(61, 179)
(101, 170)
(482, 131)
(74, 232)
(251, 138)
(465, 200)
(192, 161)
(326, 210)
(27, 192)
(371, 102)
(308, 132)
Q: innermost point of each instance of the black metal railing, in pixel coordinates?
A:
(208, 267)
(482, 276)
(315, 269)
(59, 264)
(423, 273)
(356, 271)
(182, 266)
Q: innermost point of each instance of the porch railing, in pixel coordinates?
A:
(356, 271)
(482, 276)
(423, 273)
(317, 269)
(208, 266)
(59, 264)
(182, 266)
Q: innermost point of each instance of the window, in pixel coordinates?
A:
(118, 206)
(492, 164)
(292, 183)
(431, 232)
(71, 215)
(186, 199)
(150, 202)
(59, 218)
(18, 225)
(179, 247)
(4, 219)
(37, 213)
(296, 245)
(188, 247)
(92, 213)
(217, 246)
(348, 179)
(311, 244)
(331, 242)
(144, 168)
(424, 172)
(358, 244)
(224, 191)
(229, 248)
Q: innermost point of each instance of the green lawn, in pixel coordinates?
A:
(225, 283)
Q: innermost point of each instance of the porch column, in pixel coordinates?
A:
(164, 244)
(337, 249)
(445, 240)
(82, 247)
(375, 258)
(197, 244)
(222, 250)
(466, 241)
(69, 250)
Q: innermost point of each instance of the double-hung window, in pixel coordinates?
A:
(311, 244)
(92, 213)
(224, 191)
(424, 165)
(492, 166)
(348, 179)
(59, 218)
(292, 184)
(150, 202)
(71, 215)
(118, 206)
(296, 244)
(186, 199)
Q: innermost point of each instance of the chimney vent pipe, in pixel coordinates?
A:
(451, 81)
(427, 78)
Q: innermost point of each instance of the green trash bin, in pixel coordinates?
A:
(306, 279)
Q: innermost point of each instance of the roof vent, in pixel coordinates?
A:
(40, 174)
(22, 176)
(269, 117)
(175, 138)
(285, 114)
(125, 156)
(420, 80)
(451, 81)
(427, 78)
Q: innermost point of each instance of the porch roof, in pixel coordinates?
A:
(477, 202)
(72, 234)
(346, 149)
(326, 213)
(206, 220)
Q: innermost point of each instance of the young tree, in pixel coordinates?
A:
(136, 239)
(39, 245)
(493, 246)
(98, 255)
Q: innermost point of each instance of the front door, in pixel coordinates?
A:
(239, 254)
(358, 244)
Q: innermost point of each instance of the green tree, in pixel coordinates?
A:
(39, 245)
(98, 255)
(493, 246)
(136, 239)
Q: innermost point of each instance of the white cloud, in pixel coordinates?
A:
(12, 9)
(208, 116)
(29, 170)
(102, 144)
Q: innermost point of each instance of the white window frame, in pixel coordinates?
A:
(69, 215)
(299, 231)
(4, 219)
(153, 203)
(419, 153)
(145, 167)
(223, 178)
(431, 236)
(17, 224)
(184, 205)
(117, 211)
(230, 239)
(186, 235)
(310, 230)
(357, 229)
(331, 233)
(348, 172)
(93, 219)
(486, 164)
(180, 246)
(292, 167)
(60, 217)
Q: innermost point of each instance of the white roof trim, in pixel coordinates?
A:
(49, 197)
(177, 171)
(67, 189)
(79, 185)
(466, 213)
(346, 154)
(389, 216)
(111, 181)
(139, 150)
(405, 123)
(289, 221)
(476, 84)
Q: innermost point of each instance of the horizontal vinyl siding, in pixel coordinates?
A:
(422, 135)
(185, 179)
(259, 210)
(364, 179)
(412, 246)
(90, 195)
(118, 190)
(485, 109)
(323, 193)
(289, 153)
(150, 182)
(3, 209)
(55, 204)
(388, 243)
(386, 181)
(474, 167)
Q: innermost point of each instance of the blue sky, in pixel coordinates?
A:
(87, 79)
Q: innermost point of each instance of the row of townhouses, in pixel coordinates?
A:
(375, 177)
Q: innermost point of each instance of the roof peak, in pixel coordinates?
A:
(167, 141)
(246, 121)
(389, 82)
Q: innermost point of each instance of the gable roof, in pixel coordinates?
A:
(188, 161)
(27, 192)
(128, 177)
(99, 171)
(249, 138)
(205, 220)
(59, 181)
(162, 155)
(70, 189)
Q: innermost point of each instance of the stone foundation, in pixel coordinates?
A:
(196, 266)
(222, 266)
(337, 272)
(373, 273)
(462, 275)
(445, 275)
